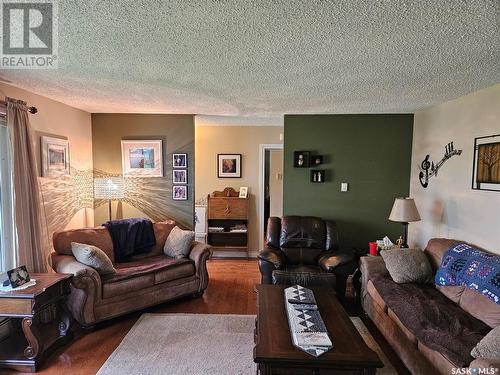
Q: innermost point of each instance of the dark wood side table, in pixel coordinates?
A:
(275, 354)
(29, 338)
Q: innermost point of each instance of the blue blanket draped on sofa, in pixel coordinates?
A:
(463, 264)
(130, 237)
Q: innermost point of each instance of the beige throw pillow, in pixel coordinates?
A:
(489, 346)
(178, 243)
(408, 266)
(93, 257)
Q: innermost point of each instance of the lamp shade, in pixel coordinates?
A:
(109, 188)
(404, 210)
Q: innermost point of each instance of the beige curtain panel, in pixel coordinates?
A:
(32, 251)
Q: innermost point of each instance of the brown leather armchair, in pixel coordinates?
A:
(305, 248)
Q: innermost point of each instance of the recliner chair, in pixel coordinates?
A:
(306, 249)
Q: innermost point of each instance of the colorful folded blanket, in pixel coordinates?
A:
(462, 264)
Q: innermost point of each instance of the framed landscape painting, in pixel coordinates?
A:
(55, 157)
(229, 165)
(486, 171)
(142, 158)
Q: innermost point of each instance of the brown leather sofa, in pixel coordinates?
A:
(466, 307)
(306, 249)
(147, 280)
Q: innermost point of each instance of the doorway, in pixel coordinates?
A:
(271, 186)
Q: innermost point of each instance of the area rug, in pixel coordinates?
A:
(196, 344)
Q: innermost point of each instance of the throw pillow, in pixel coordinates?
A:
(489, 346)
(407, 265)
(178, 243)
(93, 257)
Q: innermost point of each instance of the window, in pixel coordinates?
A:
(7, 226)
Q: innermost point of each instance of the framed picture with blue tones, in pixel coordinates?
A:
(142, 158)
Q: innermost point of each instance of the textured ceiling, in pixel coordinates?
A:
(266, 58)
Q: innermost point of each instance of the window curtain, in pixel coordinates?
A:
(8, 244)
(32, 250)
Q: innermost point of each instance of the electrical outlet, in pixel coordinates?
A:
(344, 186)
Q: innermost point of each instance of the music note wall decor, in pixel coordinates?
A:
(428, 169)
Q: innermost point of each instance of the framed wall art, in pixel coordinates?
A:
(55, 156)
(179, 193)
(179, 176)
(179, 160)
(229, 165)
(142, 158)
(486, 170)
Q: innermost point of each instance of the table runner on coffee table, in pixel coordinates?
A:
(307, 328)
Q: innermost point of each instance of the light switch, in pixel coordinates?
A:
(344, 186)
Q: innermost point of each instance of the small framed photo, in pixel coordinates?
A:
(229, 165)
(243, 192)
(142, 158)
(179, 193)
(179, 176)
(55, 157)
(179, 160)
(18, 276)
(301, 159)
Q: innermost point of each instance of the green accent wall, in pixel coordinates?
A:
(372, 153)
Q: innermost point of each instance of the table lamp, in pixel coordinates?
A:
(404, 211)
(109, 188)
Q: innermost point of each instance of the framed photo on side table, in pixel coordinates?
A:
(243, 192)
(229, 165)
(142, 158)
(55, 157)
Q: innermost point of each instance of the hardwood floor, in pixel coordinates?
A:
(230, 291)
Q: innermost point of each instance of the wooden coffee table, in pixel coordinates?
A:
(274, 352)
(29, 338)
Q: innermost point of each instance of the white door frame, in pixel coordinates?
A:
(262, 151)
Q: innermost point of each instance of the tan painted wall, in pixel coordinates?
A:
(276, 183)
(245, 140)
(177, 133)
(448, 206)
(57, 119)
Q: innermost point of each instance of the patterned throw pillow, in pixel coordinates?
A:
(178, 243)
(93, 257)
(407, 265)
(489, 346)
(463, 264)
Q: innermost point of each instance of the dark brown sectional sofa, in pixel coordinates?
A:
(432, 328)
(147, 280)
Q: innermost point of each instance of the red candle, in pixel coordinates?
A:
(373, 248)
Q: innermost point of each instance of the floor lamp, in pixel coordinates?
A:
(404, 211)
(110, 188)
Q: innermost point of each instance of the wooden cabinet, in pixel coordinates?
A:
(228, 221)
